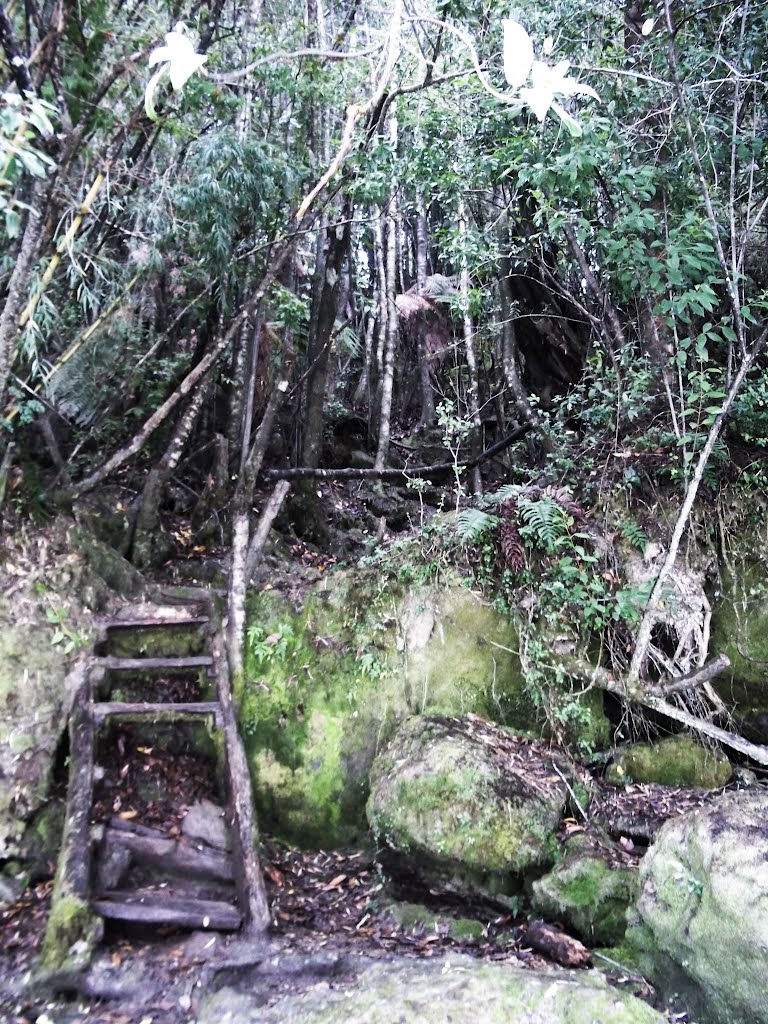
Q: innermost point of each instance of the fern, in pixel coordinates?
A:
(635, 535)
(545, 521)
(500, 496)
(472, 525)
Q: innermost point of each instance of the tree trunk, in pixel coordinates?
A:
(16, 295)
(144, 546)
(473, 388)
(393, 330)
(427, 417)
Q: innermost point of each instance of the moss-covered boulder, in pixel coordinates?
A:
(673, 761)
(329, 677)
(740, 628)
(328, 681)
(700, 926)
(458, 989)
(589, 890)
(454, 808)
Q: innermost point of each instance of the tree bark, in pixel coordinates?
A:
(427, 417)
(393, 329)
(148, 516)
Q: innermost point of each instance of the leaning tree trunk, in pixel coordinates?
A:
(145, 531)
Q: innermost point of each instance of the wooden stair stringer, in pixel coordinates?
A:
(248, 874)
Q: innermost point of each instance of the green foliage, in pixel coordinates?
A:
(473, 525)
(265, 649)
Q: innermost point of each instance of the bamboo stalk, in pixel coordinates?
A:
(64, 243)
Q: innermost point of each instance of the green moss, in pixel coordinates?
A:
(325, 685)
(740, 629)
(454, 988)
(673, 761)
(587, 892)
(71, 933)
(176, 641)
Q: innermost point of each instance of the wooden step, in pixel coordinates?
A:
(180, 857)
(159, 622)
(146, 709)
(152, 906)
(153, 664)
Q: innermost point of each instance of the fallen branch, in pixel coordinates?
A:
(634, 692)
(557, 944)
(693, 679)
(425, 472)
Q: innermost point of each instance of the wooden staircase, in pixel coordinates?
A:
(124, 870)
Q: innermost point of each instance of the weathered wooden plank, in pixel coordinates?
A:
(154, 664)
(146, 709)
(172, 855)
(151, 906)
(71, 925)
(248, 873)
(154, 622)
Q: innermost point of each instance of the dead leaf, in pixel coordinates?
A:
(335, 883)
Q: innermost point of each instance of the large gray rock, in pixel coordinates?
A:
(454, 805)
(456, 989)
(700, 926)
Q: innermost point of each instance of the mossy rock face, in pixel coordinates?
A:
(327, 683)
(58, 576)
(588, 892)
(449, 810)
(673, 761)
(740, 630)
(699, 926)
(458, 989)
(414, 917)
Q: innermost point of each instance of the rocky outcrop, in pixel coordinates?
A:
(457, 989)
(589, 891)
(331, 676)
(673, 761)
(51, 581)
(700, 926)
(454, 804)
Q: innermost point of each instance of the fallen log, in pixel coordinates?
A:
(562, 948)
(171, 855)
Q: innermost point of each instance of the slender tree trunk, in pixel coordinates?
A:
(427, 417)
(241, 502)
(510, 357)
(16, 295)
(473, 387)
(148, 516)
(388, 369)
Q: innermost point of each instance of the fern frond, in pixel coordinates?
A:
(545, 520)
(500, 496)
(635, 535)
(472, 525)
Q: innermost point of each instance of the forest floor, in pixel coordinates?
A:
(329, 909)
